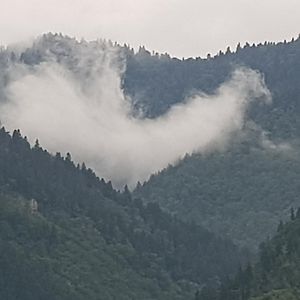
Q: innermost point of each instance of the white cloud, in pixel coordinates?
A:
(87, 114)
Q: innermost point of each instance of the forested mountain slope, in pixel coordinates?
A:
(65, 234)
(245, 191)
(159, 81)
(275, 276)
(241, 193)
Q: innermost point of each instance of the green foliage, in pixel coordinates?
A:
(242, 193)
(287, 294)
(157, 83)
(142, 252)
(276, 275)
(70, 235)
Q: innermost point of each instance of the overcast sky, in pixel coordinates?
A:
(181, 28)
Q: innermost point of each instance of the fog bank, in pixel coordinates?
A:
(83, 110)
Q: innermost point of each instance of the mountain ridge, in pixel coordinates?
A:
(84, 239)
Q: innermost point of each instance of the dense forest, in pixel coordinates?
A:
(241, 193)
(276, 274)
(245, 191)
(158, 81)
(66, 234)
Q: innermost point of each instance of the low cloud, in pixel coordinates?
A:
(83, 110)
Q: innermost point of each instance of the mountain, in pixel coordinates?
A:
(241, 193)
(260, 169)
(66, 234)
(276, 274)
(158, 81)
(244, 191)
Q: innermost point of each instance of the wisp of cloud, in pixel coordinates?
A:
(83, 110)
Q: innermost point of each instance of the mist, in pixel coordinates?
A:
(83, 110)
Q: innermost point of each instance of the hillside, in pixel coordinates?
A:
(80, 239)
(274, 276)
(242, 193)
(158, 82)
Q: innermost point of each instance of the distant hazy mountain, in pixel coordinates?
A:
(156, 82)
(159, 81)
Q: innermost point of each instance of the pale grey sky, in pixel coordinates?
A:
(181, 28)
